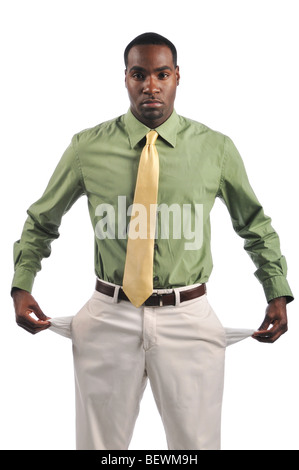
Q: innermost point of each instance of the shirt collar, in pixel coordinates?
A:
(137, 130)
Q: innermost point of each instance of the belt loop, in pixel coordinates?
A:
(177, 297)
(115, 295)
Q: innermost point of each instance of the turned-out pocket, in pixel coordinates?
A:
(62, 326)
(234, 335)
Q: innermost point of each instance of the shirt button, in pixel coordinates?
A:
(156, 278)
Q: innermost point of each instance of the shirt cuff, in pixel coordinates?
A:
(23, 279)
(277, 287)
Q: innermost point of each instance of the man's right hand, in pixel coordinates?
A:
(25, 305)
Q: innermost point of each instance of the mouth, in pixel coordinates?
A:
(152, 103)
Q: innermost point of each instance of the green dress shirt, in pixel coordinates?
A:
(197, 165)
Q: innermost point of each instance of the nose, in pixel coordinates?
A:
(151, 85)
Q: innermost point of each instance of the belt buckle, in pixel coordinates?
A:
(160, 298)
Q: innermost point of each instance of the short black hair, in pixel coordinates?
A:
(151, 38)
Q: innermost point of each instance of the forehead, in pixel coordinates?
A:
(150, 56)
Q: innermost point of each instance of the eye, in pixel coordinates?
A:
(138, 76)
(163, 75)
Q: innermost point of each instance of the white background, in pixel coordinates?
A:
(62, 71)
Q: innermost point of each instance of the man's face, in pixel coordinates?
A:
(151, 81)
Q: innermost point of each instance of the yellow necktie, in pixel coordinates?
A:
(138, 273)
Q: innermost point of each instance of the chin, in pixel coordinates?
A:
(153, 114)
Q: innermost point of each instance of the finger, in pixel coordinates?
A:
(264, 328)
(39, 313)
(271, 335)
(36, 321)
(30, 324)
(33, 330)
(278, 327)
(265, 325)
(269, 339)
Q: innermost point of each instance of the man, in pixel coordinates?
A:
(149, 316)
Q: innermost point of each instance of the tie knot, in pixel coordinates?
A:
(151, 137)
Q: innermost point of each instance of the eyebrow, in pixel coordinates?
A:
(141, 69)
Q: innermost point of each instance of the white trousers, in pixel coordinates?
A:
(117, 348)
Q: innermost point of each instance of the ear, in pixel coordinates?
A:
(177, 72)
(126, 78)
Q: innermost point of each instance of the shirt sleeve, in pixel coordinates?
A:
(44, 218)
(249, 221)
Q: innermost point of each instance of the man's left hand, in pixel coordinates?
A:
(276, 315)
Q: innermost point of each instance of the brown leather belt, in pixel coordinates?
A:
(155, 300)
